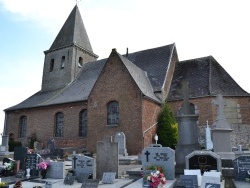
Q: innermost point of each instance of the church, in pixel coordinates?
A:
(83, 99)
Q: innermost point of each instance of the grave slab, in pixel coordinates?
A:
(163, 157)
(56, 170)
(84, 164)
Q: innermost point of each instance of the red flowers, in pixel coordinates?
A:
(157, 179)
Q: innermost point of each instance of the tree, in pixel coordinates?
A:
(167, 128)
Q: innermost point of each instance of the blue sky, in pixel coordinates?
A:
(198, 28)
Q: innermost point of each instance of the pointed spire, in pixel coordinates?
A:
(73, 32)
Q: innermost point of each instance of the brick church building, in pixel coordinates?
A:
(83, 99)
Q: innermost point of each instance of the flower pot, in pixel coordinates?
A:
(43, 174)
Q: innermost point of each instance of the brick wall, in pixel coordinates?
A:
(115, 84)
(42, 122)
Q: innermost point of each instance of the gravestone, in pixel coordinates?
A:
(121, 140)
(210, 182)
(90, 183)
(4, 148)
(51, 146)
(69, 179)
(83, 165)
(107, 157)
(194, 172)
(241, 167)
(203, 160)
(187, 129)
(56, 170)
(31, 162)
(221, 133)
(20, 154)
(163, 157)
(190, 181)
(108, 177)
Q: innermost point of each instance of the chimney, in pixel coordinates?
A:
(127, 53)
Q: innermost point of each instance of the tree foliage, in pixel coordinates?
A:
(167, 128)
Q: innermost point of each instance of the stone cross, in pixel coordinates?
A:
(220, 103)
(184, 92)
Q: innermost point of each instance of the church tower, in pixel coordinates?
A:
(69, 51)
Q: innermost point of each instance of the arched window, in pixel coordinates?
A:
(51, 65)
(59, 124)
(80, 63)
(22, 127)
(113, 113)
(83, 123)
(62, 62)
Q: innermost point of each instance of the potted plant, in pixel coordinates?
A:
(9, 168)
(43, 166)
(156, 178)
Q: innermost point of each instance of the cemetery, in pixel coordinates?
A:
(217, 166)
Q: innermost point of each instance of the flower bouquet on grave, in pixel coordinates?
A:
(156, 178)
(43, 166)
(8, 168)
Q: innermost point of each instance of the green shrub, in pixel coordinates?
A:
(13, 144)
(167, 128)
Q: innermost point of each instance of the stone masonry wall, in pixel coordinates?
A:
(237, 113)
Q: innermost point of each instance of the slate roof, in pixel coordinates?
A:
(148, 68)
(140, 77)
(72, 32)
(155, 62)
(206, 77)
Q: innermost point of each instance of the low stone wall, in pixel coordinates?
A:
(240, 135)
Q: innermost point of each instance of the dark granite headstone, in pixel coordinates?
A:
(31, 162)
(69, 179)
(241, 167)
(108, 177)
(203, 162)
(190, 181)
(20, 154)
(90, 183)
(51, 146)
